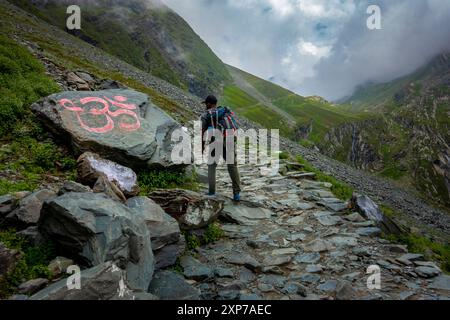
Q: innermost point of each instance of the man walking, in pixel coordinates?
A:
(220, 118)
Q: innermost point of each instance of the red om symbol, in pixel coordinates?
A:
(124, 110)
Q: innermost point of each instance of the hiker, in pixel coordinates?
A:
(221, 118)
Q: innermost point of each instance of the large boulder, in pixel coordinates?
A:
(91, 167)
(167, 256)
(167, 241)
(190, 209)
(29, 209)
(119, 125)
(370, 210)
(164, 229)
(92, 229)
(103, 282)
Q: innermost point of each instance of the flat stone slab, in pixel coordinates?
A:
(312, 257)
(329, 221)
(344, 241)
(168, 285)
(245, 215)
(244, 259)
(369, 232)
(334, 206)
(194, 269)
(318, 245)
(441, 283)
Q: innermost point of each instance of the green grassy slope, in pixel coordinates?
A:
(303, 111)
(380, 95)
(251, 108)
(412, 136)
(154, 39)
(27, 153)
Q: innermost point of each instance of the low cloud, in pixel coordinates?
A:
(320, 47)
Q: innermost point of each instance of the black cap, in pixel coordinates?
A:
(210, 100)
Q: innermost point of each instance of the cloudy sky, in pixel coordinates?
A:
(320, 47)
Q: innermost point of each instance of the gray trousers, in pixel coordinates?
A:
(234, 175)
(232, 170)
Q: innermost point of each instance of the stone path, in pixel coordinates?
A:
(290, 240)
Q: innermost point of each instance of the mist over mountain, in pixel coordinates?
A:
(321, 47)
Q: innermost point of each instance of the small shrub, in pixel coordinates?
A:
(431, 250)
(213, 233)
(192, 242)
(32, 265)
(306, 143)
(149, 180)
(22, 82)
(7, 186)
(284, 156)
(177, 267)
(28, 158)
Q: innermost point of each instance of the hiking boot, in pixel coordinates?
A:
(237, 197)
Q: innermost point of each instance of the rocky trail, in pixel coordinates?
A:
(381, 190)
(295, 240)
(290, 238)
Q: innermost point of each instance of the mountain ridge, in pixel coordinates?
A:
(73, 53)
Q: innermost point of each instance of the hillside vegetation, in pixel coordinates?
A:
(146, 34)
(27, 152)
(409, 141)
(300, 118)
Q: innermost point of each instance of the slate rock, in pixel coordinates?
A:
(164, 230)
(318, 245)
(244, 259)
(370, 210)
(8, 259)
(428, 272)
(72, 186)
(32, 286)
(59, 265)
(294, 288)
(105, 281)
(32, 235)
(119, 125)
(91, 166)
(93, 229)
(221, 272)
(190, 209)
(345, 291)
(369, 232)
(7, 204)
(103, 185)
(441, 283)
(245, 215)
(309, 278)
(195, 270)
(329, 220)
(167, 256)
(308, 258)
(168, 285)
(29, 209)
(328, 286)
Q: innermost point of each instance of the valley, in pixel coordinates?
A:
(352, 146)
